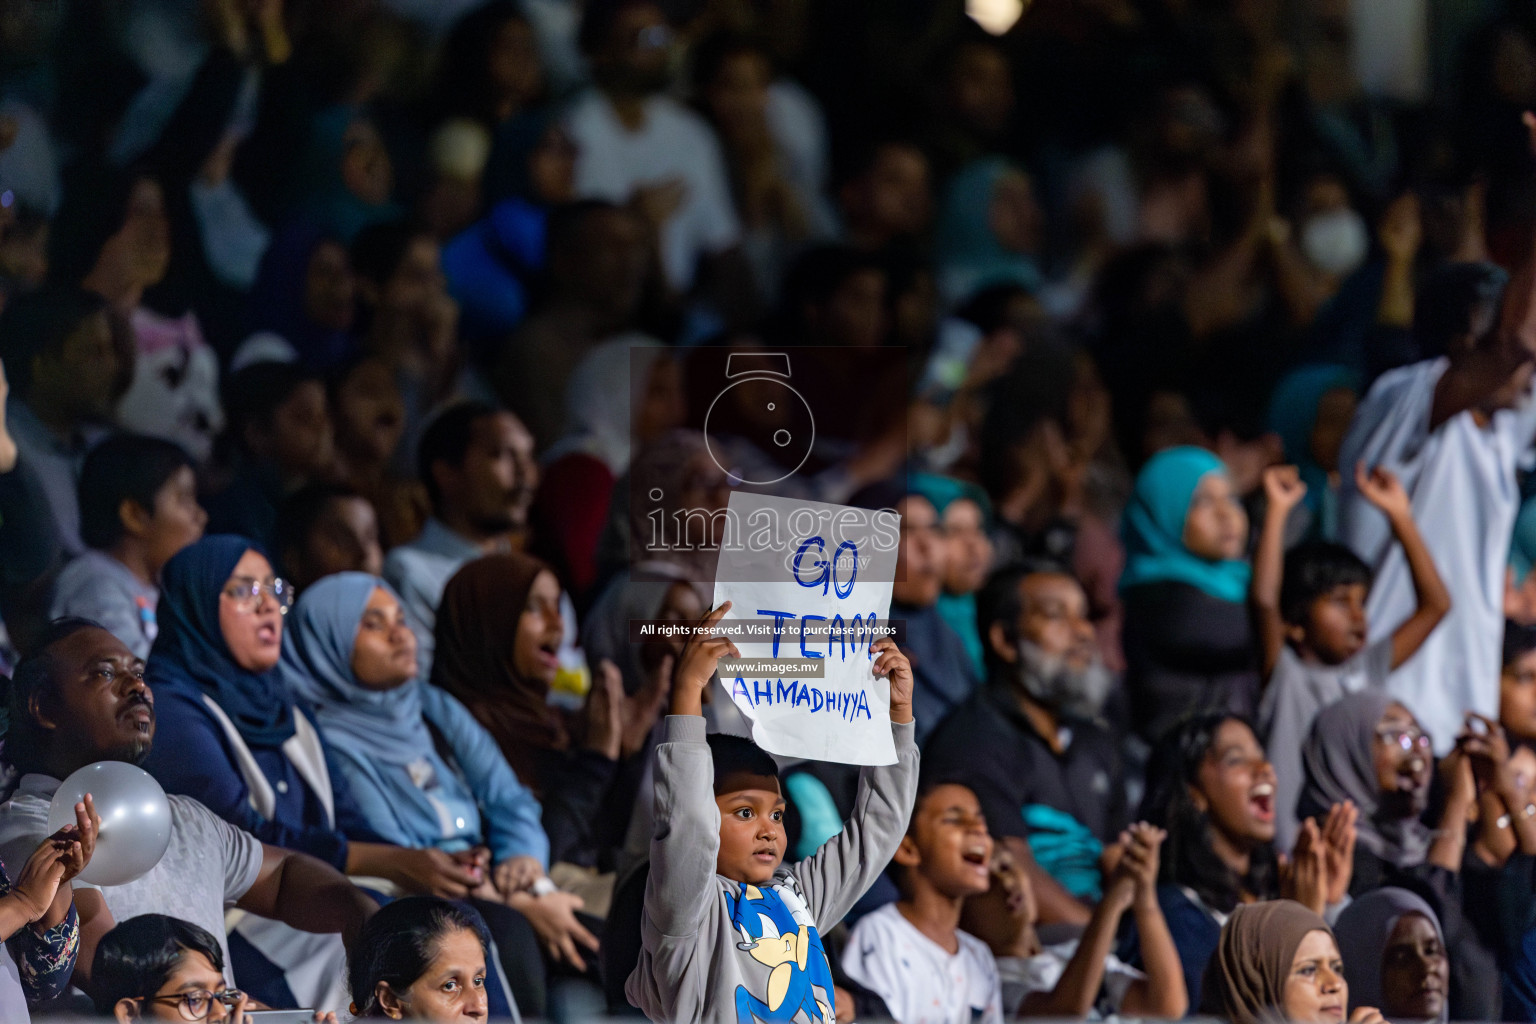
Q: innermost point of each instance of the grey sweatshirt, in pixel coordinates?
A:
(715, 949)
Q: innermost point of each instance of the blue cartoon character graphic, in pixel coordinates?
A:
(777, 933)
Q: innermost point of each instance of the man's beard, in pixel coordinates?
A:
(1070, 692)
(134, 753)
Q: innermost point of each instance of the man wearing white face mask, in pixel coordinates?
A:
(1045, 771)
(1335, 241)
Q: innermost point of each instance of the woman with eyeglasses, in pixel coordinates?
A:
(154, 967)
(1211, 786)
(1369, 748)
(231, 735)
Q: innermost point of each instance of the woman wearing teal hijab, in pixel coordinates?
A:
(988, 230)
(964, 512)
(1310, 411)
(1188, 639)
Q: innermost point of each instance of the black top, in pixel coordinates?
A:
(988, 745)
(1186, 651)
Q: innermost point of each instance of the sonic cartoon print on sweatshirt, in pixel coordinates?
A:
(777, 932)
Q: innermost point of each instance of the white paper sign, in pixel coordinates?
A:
(810, 589)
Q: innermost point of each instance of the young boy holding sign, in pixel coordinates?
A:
(728, 932)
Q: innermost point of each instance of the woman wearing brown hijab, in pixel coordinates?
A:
(1278, 961)
(498, 630)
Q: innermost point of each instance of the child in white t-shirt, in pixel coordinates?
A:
(912, 953)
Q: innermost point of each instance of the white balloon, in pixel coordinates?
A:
(135, 819)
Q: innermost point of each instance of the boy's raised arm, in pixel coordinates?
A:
(680, 892)
(835, 876)
(1382, 488)
(1283, 490)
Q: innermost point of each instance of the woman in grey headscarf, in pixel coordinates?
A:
(1395, 956)
(1368, 748)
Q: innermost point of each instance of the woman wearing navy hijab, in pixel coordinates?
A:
(231, 735)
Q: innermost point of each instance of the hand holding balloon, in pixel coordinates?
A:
(131, 833)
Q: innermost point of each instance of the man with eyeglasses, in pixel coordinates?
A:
(81, 698)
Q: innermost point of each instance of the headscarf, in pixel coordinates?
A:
(278, 297)
(476, 634)
(1245, 979)
(1522, 544)
(317, 665)
(190, 651)
(1293, 415)
(599, 395)
(1363, 930)
(959, 610)
(1154, 528)
(970, 257)
(1340, 764)
(512, 148)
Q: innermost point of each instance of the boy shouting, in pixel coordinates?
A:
(729, 933)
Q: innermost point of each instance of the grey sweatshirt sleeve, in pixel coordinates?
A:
(681, 893)
(834, 877)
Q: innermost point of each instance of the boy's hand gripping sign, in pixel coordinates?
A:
(810, 589)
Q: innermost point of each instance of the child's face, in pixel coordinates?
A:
(751, 829)
(177, 520)
(948, 844)
(1335, 628)
(192, 974)
(1216, 527)
(1517, 697)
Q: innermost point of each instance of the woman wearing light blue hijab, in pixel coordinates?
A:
(1189, 642)
(394, 736)
(423, 771)
(988, 229)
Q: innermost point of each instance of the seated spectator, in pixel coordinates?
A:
(596, 269)
(990, 231)
(1369, 749)
(305, 293)
(408, 320)
(1211, 787)
(1279, 961)
(138, 507)
(1310, 410)
(349, 178)
(327, 528)
(1517, 684)
(1189, 642)
(277, 439)
(154, 967)
(1394, 955)
(963, 511)
(625, 393)
(476, 462)
(940, 663)
(113, 238)
(773, 140)
(834, 295)
(498, 631)
(422, 770)
(1312, 624)
(248, 752)
(634, 142)
(1028, 744)
(66, 373)
(420, 958)
(886, 196)
(81, 698)
(368, 415)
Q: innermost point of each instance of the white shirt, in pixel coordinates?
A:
(1042, 972)
(673, 143)
(920, 981)
(1461, 478)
